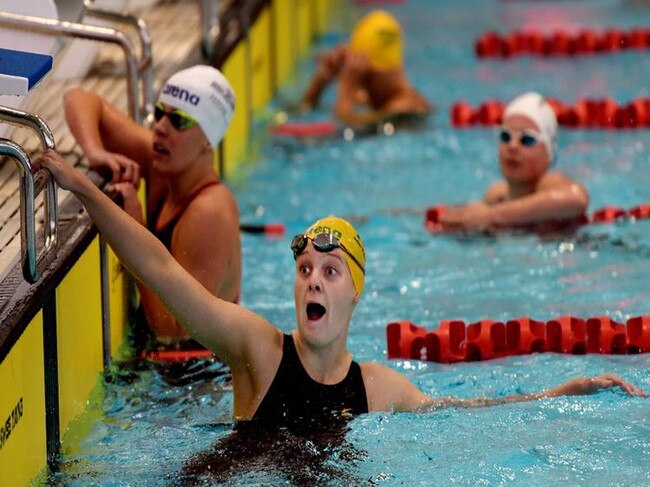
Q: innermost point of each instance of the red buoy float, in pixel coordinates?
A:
(560, 42)
(454, 341)
(585, 113)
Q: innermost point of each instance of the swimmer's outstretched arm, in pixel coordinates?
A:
(327, 68)
(559, 199)
(228, 329)
(560, 203)
(388, 390)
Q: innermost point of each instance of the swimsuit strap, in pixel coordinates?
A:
(155, 215)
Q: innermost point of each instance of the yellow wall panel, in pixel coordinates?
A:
(119, 289)
(323, 15)
(236, 70)
(285, 39)
(261, 60)
(304, 23)
(22, 408)
(79, 333)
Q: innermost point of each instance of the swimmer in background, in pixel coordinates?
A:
(530, 195)
(307, 376)
(370, 73)
(191, 212)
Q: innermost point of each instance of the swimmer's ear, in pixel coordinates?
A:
(357, 297)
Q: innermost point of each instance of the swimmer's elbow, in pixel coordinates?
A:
(579, 199)
(72, 95)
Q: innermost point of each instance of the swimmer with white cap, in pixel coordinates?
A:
(530, 195)
(370, 74)
(176, 157)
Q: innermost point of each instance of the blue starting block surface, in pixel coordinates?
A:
(20, 71)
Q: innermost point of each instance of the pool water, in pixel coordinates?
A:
(143, 430)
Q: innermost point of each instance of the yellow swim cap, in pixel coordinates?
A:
(379, 36)
(350, 240)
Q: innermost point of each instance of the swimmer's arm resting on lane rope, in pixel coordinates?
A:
(388, 390)
(548, 205)
(557, 198)
(228, 329)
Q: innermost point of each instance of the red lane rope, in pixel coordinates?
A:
(175, 356)
(265, 228)
(304, 129)
(375, 3)
(454, 341)
(559, 43)
(584, 113)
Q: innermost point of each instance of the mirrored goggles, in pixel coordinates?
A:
(178, 118)
(323, 242)
(527, 138)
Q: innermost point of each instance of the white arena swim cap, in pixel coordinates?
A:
(534, 106)
(205, 94)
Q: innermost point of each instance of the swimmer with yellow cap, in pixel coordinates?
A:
(332, 233)
(370, 74)
(379, 36)
(290, 380)
(530, 196)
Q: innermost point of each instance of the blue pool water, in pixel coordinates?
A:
(144, 430)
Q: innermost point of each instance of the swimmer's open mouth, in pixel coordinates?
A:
(160, 149)
(315, 311)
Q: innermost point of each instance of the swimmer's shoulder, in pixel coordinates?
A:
(215, 203)
(558, 180)
(554, 177)
(496, 193)
(387, 389)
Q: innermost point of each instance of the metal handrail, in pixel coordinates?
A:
(145, 64)
(31, 185)
(209, 25)
(91, 32)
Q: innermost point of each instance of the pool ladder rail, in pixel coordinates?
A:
(454, 341)
(24, 72)
(139, 69)
(21, 71)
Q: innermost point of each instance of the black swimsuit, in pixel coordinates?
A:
(165, 233)
(295, 398)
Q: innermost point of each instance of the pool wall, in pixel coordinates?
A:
(58, 335)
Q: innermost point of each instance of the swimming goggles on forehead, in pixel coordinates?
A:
(178, 118)
(323, 242)
(527, 138)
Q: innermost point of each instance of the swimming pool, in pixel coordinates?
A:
(142, 430)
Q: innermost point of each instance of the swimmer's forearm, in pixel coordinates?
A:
(146, 258)
(313, 93)
(479, 402)
(542, 206)
(127, 237)
(83, 113)
(579, 386)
